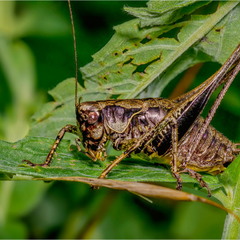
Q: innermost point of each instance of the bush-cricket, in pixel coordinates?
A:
(171, 131)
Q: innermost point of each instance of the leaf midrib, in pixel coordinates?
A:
(197, 35)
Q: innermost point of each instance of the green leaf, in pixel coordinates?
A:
(136, 56)
(166, 6)
(164, 12)
(231, 182)
(187, 60)
(223, 38)
(69, 163)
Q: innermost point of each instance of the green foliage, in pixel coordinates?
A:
(143, 56)
(164, 12)
(135, 56)
(69, 162)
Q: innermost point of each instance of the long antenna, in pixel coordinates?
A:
(75, 52)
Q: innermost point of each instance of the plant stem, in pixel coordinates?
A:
(6, 189)
(232, 226)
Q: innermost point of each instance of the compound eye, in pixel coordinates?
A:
(92, 117)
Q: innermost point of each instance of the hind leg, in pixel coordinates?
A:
(198, 177)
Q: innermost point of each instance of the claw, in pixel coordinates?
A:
(179, 186)
(94, 187)
(179, 180)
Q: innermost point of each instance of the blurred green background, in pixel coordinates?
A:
(36, 53)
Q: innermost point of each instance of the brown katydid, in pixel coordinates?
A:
(161, 128)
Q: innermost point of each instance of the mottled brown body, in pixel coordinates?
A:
(213, 153)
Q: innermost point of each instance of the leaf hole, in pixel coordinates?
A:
(128, 61)
(146, 40)
(206, 9)
(115, 96)
(142, 67)
(173, 33)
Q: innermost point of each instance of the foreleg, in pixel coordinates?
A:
(68, 128)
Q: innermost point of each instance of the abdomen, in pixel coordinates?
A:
(213, 153)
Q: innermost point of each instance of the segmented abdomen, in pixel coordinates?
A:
(213, 153)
